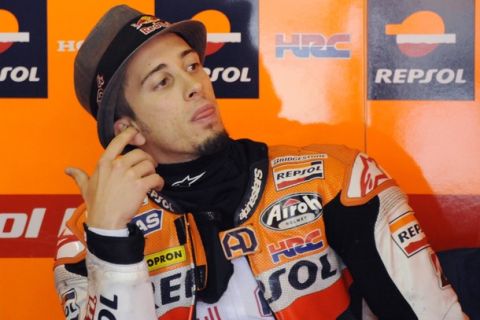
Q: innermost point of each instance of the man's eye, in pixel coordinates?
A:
(162, 83)
(193, 66)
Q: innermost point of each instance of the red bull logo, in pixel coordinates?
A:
(148, 24)
(145, 20)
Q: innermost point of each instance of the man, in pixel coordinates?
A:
(181, 222)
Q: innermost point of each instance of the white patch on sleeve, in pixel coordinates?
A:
(366, 176)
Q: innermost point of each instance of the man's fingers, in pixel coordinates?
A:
(143, 169)
(119, 143)
(153, 181)
(80, 177)
(136, 156)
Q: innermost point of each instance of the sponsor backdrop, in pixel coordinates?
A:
(397, 80)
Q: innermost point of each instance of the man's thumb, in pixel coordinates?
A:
(80, 177)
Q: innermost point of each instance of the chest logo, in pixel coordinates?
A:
(188, 181)
(166, 258)
(291, 247)
(149, 221)
(292, 211)
(287, 176)
(239, 242)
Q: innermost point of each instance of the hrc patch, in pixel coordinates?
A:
(294, 246)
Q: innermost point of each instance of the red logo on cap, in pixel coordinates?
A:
(148, 24)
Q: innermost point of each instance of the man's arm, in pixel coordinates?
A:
(109, 280)
(114, 283)
(71, 286)
(374, 230)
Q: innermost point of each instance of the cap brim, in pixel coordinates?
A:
(193, 32)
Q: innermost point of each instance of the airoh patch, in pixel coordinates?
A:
(292, 211)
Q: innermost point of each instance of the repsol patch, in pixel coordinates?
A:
(166, 258)
(408, 235)
(292, 211)
(287, 176)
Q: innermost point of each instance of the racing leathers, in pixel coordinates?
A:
(326, 233)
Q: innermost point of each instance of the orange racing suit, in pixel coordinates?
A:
(326, 232)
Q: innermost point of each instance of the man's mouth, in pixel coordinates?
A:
(203, 113)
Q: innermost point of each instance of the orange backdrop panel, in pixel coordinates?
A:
(432, 148)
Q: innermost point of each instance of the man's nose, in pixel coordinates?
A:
(193, 88)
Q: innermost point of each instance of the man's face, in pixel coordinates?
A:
(173, 100)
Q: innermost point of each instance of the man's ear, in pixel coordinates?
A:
(125, 122)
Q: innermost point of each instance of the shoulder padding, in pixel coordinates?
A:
(364, 180)
(71, 245)
(281, 153)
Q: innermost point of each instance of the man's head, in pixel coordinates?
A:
(137, 70)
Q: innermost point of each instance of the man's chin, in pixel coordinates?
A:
(214, 143)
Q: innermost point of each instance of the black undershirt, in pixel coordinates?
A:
(211, 188)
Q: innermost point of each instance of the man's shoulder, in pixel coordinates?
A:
(71, 245)
(361, 176)
(279, 154)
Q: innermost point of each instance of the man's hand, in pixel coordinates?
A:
(119, 184)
